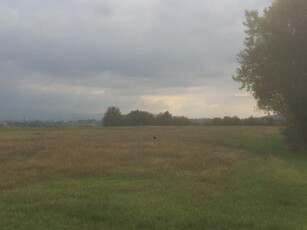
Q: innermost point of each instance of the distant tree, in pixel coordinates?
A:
(267, 120)
(227, 121)
(251, 120)
(112, 117)
(236, 120)
(164, 118)
(181, 120)
(138, 117)
(273, 64)
(217, 121)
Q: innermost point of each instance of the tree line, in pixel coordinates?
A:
(50, 123)
(236, 121)
(114, 117)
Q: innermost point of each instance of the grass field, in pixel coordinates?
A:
(121, 178)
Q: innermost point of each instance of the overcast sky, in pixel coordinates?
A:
(60, 58)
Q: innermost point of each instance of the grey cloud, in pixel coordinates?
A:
(128, 47)
(172, 39)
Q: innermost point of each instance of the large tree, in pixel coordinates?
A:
(138, 117)
(112, 117)
(273, 64)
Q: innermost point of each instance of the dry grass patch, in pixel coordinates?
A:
(26, 155)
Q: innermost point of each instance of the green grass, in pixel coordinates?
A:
(120, 178)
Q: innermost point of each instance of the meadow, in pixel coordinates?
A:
(121, 178)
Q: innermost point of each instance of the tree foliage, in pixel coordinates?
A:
(138, 117)
(112, 117)
(235, 121)
(273, 64)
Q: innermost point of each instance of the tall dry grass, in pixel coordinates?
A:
(37, 154)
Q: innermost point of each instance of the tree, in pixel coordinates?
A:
(273, 64)
(181, 120)
(112, 117)
(217, 121)
(138, 117)
(164, 118)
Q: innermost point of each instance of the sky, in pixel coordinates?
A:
(67, 59)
